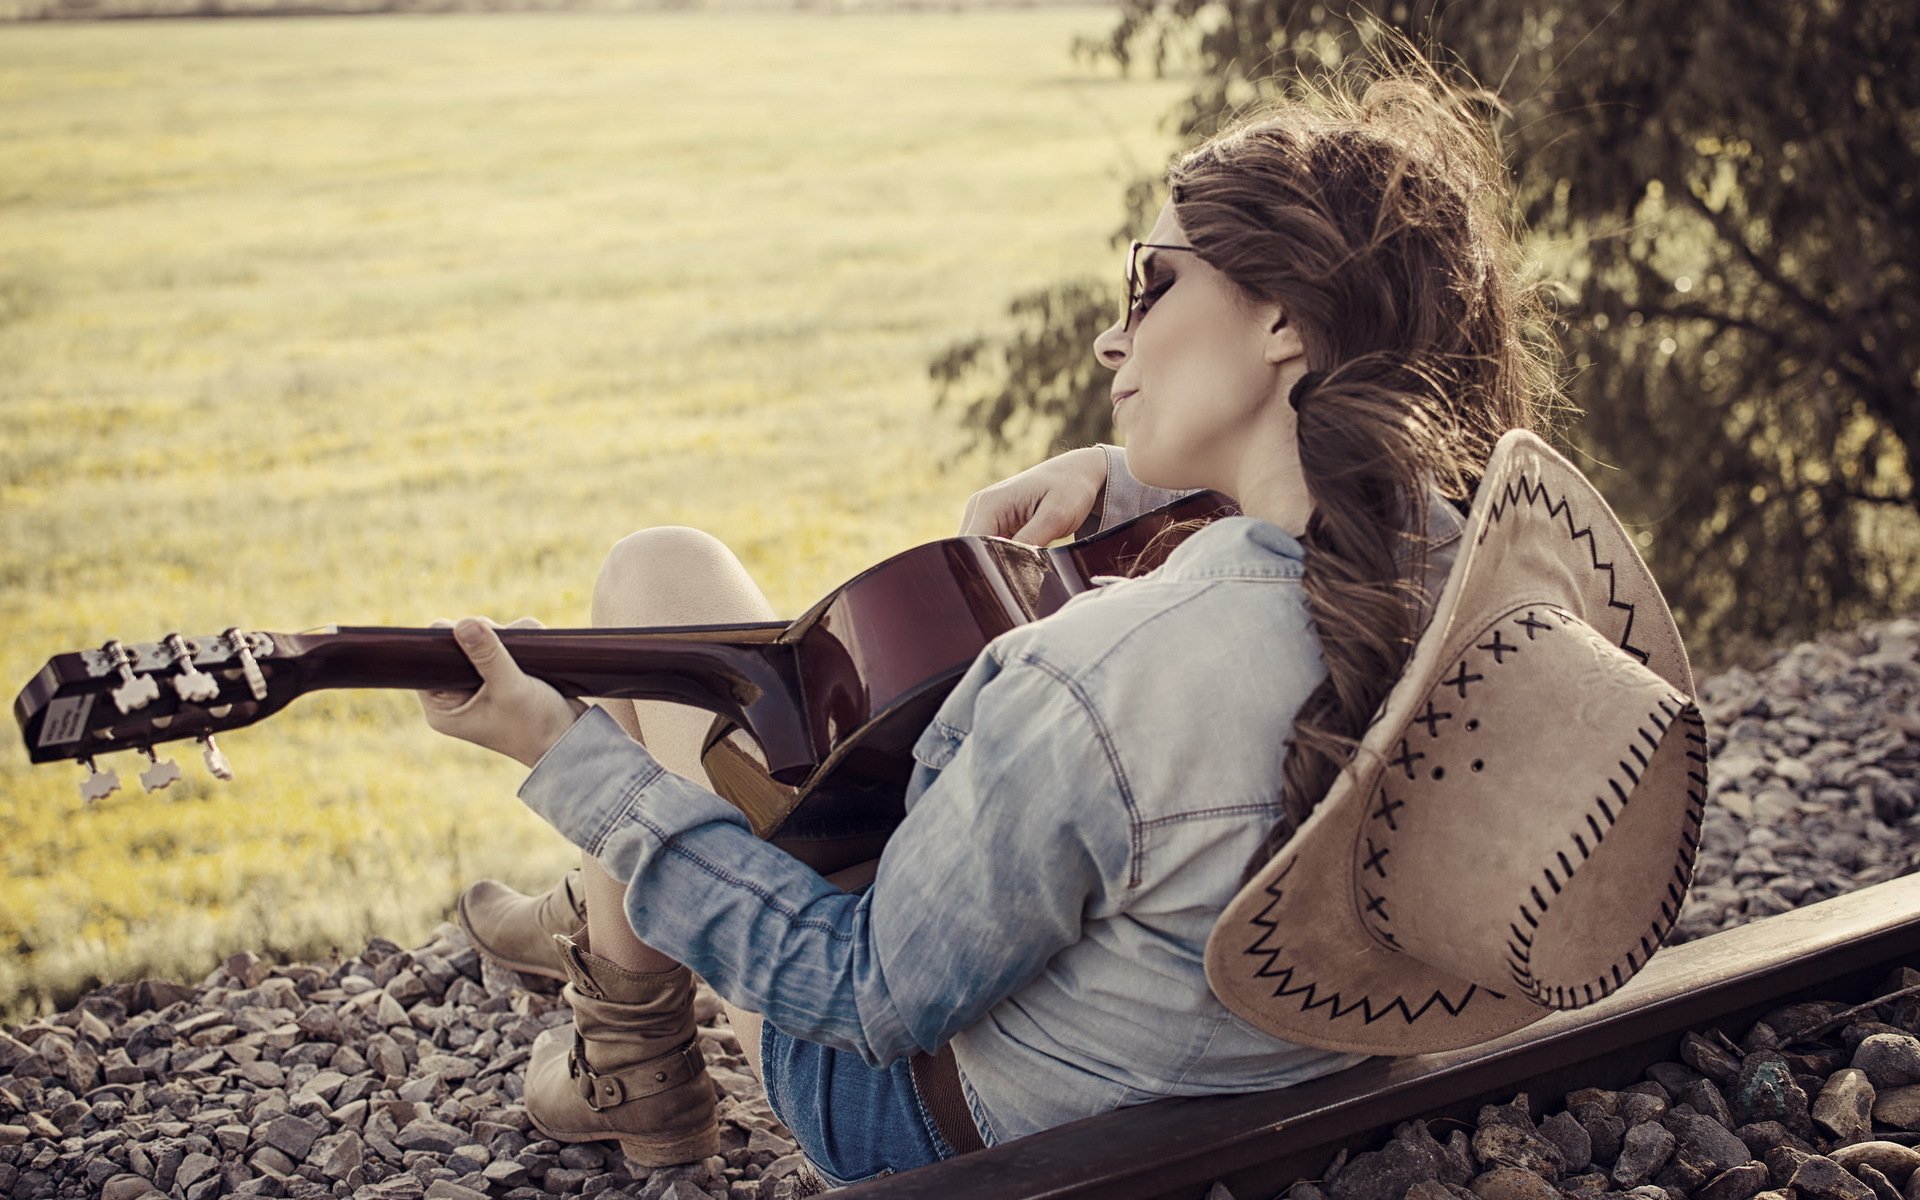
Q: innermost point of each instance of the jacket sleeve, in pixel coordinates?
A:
(1124, 497)
(987, 878)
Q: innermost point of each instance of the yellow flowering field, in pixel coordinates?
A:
(373, 320)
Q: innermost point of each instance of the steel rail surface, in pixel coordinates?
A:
(1258, 1144)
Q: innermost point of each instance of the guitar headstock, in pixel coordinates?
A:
(135, 695)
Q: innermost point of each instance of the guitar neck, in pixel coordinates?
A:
(744, 673)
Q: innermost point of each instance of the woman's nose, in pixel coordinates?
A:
(1113, 345)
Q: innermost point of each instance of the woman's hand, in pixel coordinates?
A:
(511, 711)
(1041, 503)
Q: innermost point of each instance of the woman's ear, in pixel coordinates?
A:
(1282, 340)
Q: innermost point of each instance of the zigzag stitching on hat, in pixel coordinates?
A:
(1521, 489)
(1520, 957)
(1310, 990)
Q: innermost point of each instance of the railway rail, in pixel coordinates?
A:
(1260, 1144)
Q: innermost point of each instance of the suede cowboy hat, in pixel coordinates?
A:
(1518, 829)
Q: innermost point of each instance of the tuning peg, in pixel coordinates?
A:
(243, 650)
(137, 691)
(158, 774)
(217, 764)
(191, 683)
(98, 784)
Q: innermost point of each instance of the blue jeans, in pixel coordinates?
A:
(851, 1121)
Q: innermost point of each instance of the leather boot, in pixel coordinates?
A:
(517, 931)
(630, 1069)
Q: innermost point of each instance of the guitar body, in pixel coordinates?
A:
(815, 719)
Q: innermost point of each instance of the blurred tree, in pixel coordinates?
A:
(1728, 192)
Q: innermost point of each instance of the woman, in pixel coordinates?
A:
(1323, 323)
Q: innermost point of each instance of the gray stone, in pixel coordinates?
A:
(1604, 1130)
(1820, 1178)
(266, 1158)
(1518, 1146)
(1883, 1188)
(1765, 1090)
(1672, 1076)
(292, 1136)
(1898, 1107)
(1571, 1139)
(336, 1155)
(1889, 1060)
(1709, 1058)
(1705, 1097)
(1512, 1183)
(1845, 1105)
(1704, 1142)
(451, 1067)
(1644, 1150)
(1384, 1174)
(1638, 1107)
(195, 1167)
(1606, 1101)
(128, 1187)
(586, 1156)
(1891, 1159)
(1763, 1137)
(448, 1190)
(1735, 1183)
(425, 1133)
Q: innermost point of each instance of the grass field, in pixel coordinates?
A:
(377, 320)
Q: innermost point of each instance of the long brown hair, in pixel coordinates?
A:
(1379, 217)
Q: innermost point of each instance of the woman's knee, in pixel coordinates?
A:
(674, 574)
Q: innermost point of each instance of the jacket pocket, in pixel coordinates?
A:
(937, 744)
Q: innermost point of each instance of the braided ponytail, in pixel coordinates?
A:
(1380, 226)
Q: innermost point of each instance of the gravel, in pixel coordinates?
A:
(1788, 1110)
(396, 1073)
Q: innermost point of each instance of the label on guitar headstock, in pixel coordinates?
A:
(66, 720)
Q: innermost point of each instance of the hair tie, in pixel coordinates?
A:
(1305, 384)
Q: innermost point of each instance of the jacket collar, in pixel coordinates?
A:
(1249, 546)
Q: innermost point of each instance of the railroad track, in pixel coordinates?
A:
(1259, 1144)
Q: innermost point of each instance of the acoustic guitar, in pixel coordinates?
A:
(814, 717)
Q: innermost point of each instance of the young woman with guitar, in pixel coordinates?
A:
(1324, 323)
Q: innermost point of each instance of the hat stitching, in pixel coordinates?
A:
(1405, 759)
(1520, 489)
(1521, 955)
(1432, 719)
(1309, 990)
(1407, 756)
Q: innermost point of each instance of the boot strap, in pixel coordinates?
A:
(610, 1089)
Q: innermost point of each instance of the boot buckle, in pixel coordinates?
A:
(611, 1090)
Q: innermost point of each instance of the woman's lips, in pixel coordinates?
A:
(1119, 396)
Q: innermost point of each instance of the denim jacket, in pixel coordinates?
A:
(1081, 809)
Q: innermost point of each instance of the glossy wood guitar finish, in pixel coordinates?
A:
(815, 717)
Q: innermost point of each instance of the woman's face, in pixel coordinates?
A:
(1197, 373)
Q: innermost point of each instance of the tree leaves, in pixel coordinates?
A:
(1730, 196)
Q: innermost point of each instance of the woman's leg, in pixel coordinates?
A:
(667, 576)
(630, 1067)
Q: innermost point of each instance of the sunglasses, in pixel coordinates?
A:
(1134, 289)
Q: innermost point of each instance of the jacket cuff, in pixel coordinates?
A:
(589, 779)
(1125, 497)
